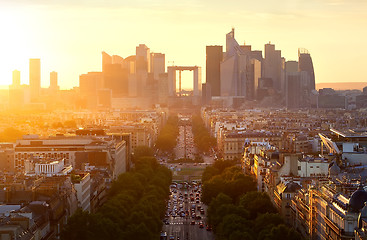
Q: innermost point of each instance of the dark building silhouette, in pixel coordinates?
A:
(361, 100)
(305, 64)
(214, 55)
(329, 98)
(206, 95)
(293, 90)
(273, 66)
(265, 86)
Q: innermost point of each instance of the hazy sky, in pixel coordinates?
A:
(69, 35)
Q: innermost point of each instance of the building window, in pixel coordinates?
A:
(299, 168)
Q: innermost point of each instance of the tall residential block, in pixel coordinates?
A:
(158, 64)
(53, 81)
(16, 78)
(142, 58)
(273, 66)
(305, 64)
(35, 77)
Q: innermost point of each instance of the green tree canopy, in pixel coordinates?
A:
(134, 209)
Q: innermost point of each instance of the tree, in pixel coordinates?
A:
(202, 138)
(240, 235)
(143, 151)
(232, 181)
(282, 232)
(220, 200)
(11, 135)
(267, 220)
(135, 206)
(257, 203)
(232, 223)
(70, 124)
(78, 226)
(167, 138)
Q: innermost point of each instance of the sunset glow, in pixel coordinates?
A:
(68, 36)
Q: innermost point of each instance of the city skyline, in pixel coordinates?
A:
(72, 46)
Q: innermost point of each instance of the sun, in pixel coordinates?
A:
(14, 46)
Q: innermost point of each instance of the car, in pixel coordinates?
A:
(201, 225)
(198, 217)
(208, 228)
(171, 238)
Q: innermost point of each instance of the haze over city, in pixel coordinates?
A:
(183, 120)
(69, 36)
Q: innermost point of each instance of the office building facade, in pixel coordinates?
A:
(214, 56)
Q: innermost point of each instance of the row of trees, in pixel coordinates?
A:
(202, 138)
(167, 138)
(236, 210)
(136, 205)
(10, 135)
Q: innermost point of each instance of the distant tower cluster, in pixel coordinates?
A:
(32, 95)
(240, 74)
(141, 75)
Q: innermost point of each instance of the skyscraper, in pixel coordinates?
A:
(297, 90)
(214, 55)
(89, 85)
(158, 64)
(234, 69)
(273, 66)
(116, 78)
(116, 59)
(16, 78)
(305, 64)
(142, 68)
(252, 82)
(35, 77)
(106, 59)
(293, 87)
(53, 81)
(142, 58)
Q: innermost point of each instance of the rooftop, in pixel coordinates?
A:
(350, 133)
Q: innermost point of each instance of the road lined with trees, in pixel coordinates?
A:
(236, 211)
(202, 139)
(167, 138)
(135, 209)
